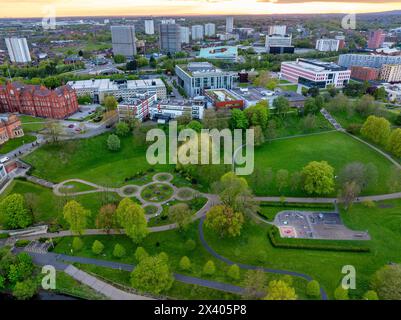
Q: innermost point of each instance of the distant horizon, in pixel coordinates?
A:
(26, 9)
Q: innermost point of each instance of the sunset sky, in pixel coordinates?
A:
(38, 8)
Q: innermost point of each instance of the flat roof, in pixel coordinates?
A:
(108, 85)
(316, 65)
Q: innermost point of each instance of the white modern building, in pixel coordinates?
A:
(98, 89)
(149, 27)
(210, 29)
(18, 50)
(367, 60)
(197, 32)
(171, 109)
(278, 30)
(278, 41)
(229, 24)
(315, 73)
(185, 35)
(327, 44)
(196, 77)
(123, 40)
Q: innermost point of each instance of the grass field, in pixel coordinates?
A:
(383, 224)
(336, 148)
(32, 124)
(13, 144)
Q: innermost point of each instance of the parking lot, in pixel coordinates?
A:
(316, 225)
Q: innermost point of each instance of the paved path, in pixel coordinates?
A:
(251, 267)
(332, 120)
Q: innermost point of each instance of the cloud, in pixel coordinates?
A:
(331, 1)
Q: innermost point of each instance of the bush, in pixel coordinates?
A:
(354, 128)
(190, 245)
(77, 244)
(113, 142)
(313, 289)
(122, 129)
(185, 263)
(25, 290)
(233, 272)
(22, 243)
(341, 294)
(119, 251)
(370, 295)
(140, 254)
(209, 268)
(97, 247)
(4, 235)
(368, 204)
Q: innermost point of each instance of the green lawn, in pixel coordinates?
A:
(32, 124)
(383, 224)
(73, 187)
(48, 207)
(338, 149)
(13, 144)
(291, 87)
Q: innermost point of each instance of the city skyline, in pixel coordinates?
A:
(41, 8)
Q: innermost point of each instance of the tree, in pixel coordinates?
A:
(25, 290)
(233, 272)
(113, 142)
(53, 129)
(224, 221)
(195, 125)
(296, 180)
(105, 218)
(310, 106)
(370, 295)
(209, 268)
(308, 123)
(270, 132)
(281, 106)
(313, 289)
(152, 62)
(132, 65)
(349, 192)
(184, 119)
(394, 181)
(97, 247)
(76, 216)
(259, 138)
(397, 120)
(341, 294)
(140, 254)
(238, 119)
(376, 129)
(122, 129)
(254, 284)
(180, 214)
(394, 142)
(13, 212)
(110, 103)
(152, 274)
(119, 251)
(131, 217)
(119, 58)
(77, 244)
(185, 263)
(366, 105)
(280, 290)
(318, 178)
(282, 177)
(258, 114)
(387, 282)
(363, 175)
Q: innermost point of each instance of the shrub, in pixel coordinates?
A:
(113, 142)
(209, 268)
(233, 272)
(313, 289)
(190, 245)
(97, 247)
(140, 254)
(185, 263)
(354, 128)
(370, 295)
(341, 294)
(22, 243)
(368, 203)
(119, 251)
(77, 244)
(4, 235)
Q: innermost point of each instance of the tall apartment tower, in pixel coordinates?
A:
(123, 40)
(184, 34)
(376, 39)
(278, 30)
(170, 37)
(197, 32)
(149, 27)
(18, 50)
(229, 24)
(210, 29)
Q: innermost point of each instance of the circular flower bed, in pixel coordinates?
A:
(157, 192)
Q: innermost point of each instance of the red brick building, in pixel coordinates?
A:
(38, 101)
(10, 128)
(364, 73)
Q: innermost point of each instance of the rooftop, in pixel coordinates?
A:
(316, 65)
(108, 85)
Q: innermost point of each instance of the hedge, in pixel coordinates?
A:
(298, 205)
(311, 244)
(4, 235)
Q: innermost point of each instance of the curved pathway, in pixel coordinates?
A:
(251, 267)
